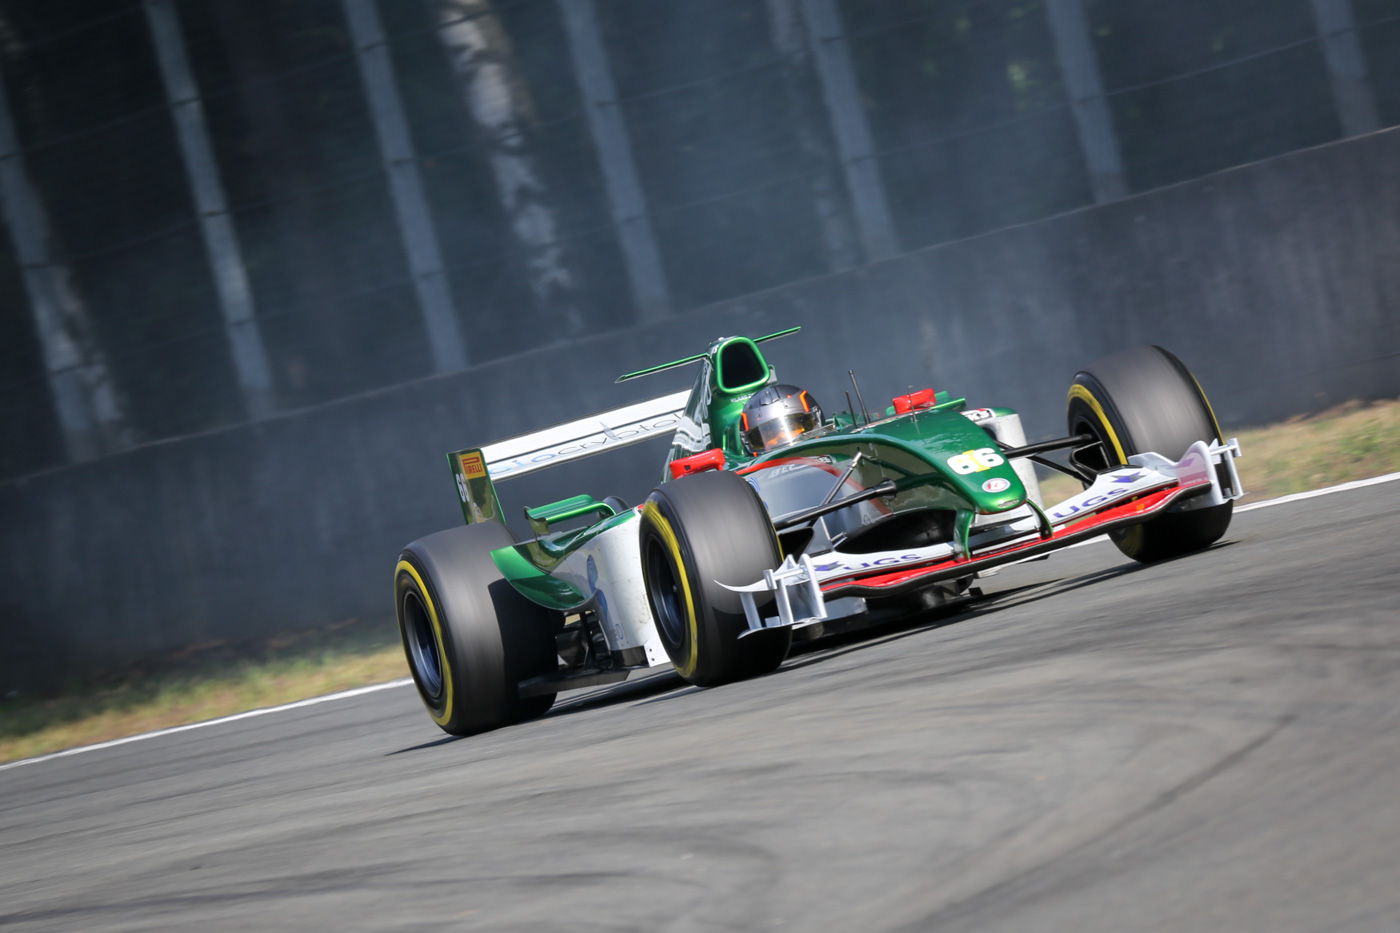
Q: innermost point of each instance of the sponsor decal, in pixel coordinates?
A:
(1130, 478)
(996, 484)
(782, 465)
(975, 461)
(1094, 501)
(979, 415)
(1193, 469)
(866, 565)
(764, 472)
(624, 434)
(472, 466)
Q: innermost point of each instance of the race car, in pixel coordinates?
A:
(773, 522)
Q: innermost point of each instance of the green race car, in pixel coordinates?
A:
(773, 522)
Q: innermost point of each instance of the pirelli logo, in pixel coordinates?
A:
(473, 467)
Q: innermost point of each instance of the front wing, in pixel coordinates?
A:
(813, 589)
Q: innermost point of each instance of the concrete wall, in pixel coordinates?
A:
(1278, 283)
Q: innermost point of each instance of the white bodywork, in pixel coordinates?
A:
(607, 570)
(584, 437)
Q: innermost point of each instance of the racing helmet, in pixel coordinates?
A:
(776, 416)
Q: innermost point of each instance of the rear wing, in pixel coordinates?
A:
(476, 469)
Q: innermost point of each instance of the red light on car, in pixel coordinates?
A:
(920, 399)
(697, 463)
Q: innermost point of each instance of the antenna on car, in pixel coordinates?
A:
(662, 368)
(777, 334)
(697, 357)
(855, 385)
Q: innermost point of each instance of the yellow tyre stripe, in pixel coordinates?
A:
(405, 566)
(1080, 392)
(1209, 410)
(692, 658)
(1131, 541)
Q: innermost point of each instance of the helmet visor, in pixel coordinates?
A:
(780, 431)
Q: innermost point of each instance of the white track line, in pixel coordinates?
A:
(1281, 500)
(342, 695)
(361, 691)
(1324, 491)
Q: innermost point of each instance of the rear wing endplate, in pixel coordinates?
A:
(476, 469)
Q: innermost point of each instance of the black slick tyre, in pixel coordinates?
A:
(470, 638)
(697, 532)
(1145, 399)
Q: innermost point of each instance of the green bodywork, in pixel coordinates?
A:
(731, 371)
(920, 451)
(543, 516)
(532, 582)
(936, 457)
(527, 565)
(913, 450)
(916, 451)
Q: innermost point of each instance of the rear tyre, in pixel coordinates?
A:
(469, 636)
(697, 532)
(1145, 399)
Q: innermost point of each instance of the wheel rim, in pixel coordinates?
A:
(422, 645)
(663, 591)
(1089, 426)
(1082, 425)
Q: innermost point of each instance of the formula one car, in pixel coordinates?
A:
(774, 521)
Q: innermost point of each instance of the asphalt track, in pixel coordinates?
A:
(1207, 744)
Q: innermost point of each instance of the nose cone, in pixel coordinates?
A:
(967, 459)
(991, 490)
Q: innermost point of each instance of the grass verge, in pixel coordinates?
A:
(202, 682)
(1351, 442)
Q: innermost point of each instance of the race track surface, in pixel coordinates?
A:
(1208, 744)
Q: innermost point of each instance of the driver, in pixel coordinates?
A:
(776, 416)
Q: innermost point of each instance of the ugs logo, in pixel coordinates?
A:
(1091, 503)
(609, 436)
(867, 565)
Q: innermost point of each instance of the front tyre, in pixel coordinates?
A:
(697, 532)
(470, 638)
(1145, 399)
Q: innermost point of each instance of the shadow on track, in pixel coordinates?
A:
(844, 643)
(445, 740)
(1022, 595)
(662, 685)
(657, 688)
(650, 685)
